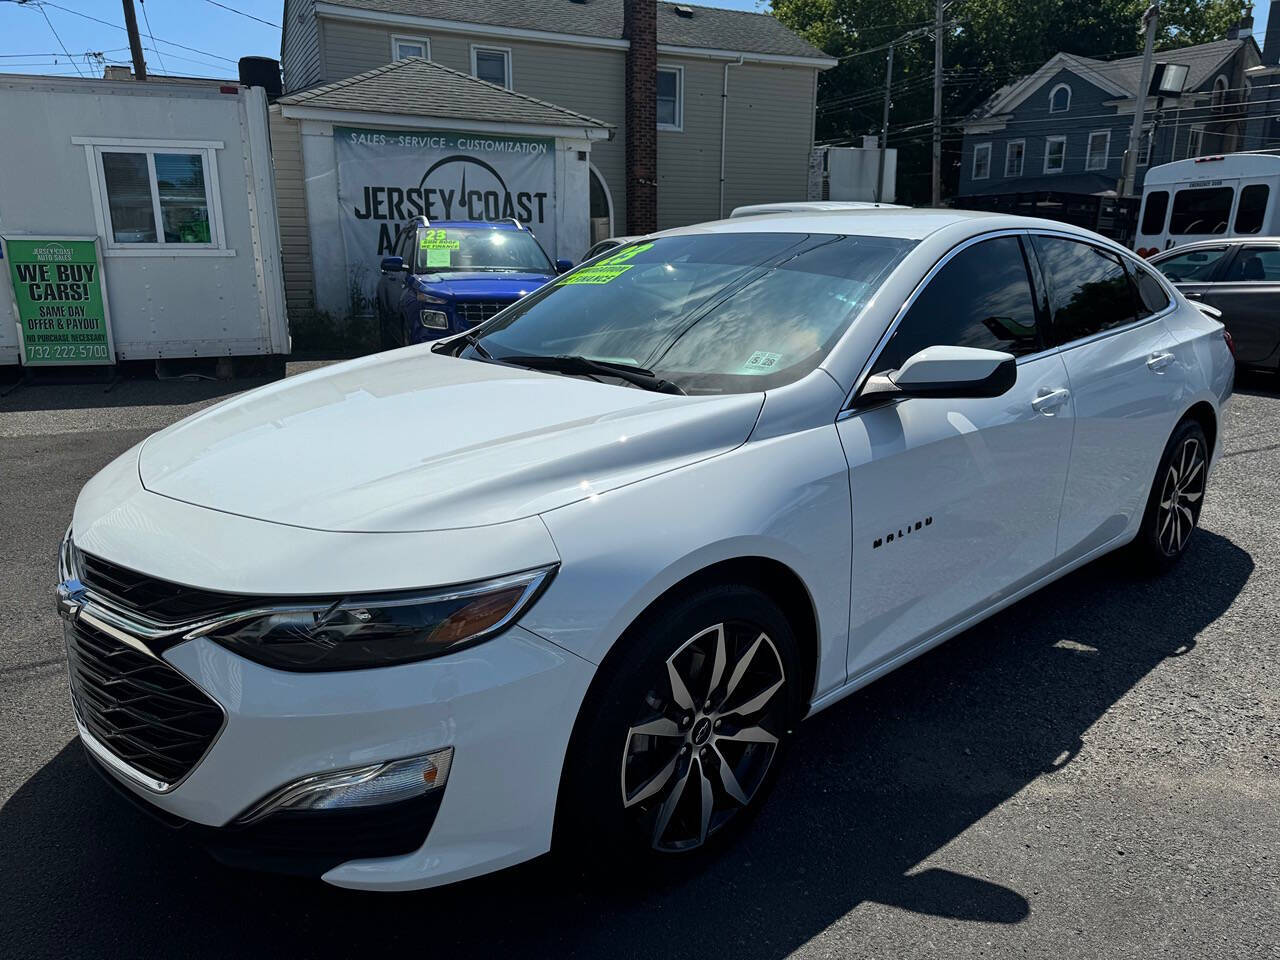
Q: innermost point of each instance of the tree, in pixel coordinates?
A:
(989, 43)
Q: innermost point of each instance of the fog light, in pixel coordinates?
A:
(369, 786)
(435, 320)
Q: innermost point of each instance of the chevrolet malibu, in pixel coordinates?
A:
(573, 576)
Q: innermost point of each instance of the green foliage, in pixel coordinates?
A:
(988, 43)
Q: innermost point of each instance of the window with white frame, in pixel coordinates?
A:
(1015, 152)
(1055, 154)
(670, 98)
(492, 64)
(1060, 99)
(1099, 148)
(402, 46)
(981, 161)
(157, 196)
(1195, 141)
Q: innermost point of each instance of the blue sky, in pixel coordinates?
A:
(190, 37)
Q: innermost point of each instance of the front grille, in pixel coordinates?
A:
(137, 706)
(157, 600)
(471, 312)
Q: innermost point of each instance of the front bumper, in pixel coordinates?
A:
(506, 707)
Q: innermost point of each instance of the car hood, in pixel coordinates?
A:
(410, 440)
(482, 284)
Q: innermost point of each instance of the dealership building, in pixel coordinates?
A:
(579, 119)
(357, 159)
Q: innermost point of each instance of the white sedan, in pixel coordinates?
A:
(574, 576)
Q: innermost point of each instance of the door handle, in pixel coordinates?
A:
(1194, 296)
(1048, 402)
(1157, 362)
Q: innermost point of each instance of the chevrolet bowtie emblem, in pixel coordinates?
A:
(71, 597)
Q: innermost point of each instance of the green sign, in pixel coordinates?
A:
(57, 288)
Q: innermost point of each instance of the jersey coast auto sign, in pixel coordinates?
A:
(386, 178)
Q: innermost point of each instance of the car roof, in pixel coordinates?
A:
(905, 223)
(478, 224)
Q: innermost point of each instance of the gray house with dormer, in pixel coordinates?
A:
(1065, 128)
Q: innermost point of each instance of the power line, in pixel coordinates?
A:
(243, 14)
(116, 26)
(58, 38)
(147, 20)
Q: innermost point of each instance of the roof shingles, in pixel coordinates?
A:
(418, 87)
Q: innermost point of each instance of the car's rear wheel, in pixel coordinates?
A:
(1173, 509)
(680, 742)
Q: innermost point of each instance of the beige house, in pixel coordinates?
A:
(721, 104)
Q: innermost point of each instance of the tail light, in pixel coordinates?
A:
(1231, 344)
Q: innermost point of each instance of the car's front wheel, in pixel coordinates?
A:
(680, 741)
(1173, 509)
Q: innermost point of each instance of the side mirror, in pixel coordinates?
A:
(393, 264)
(563, 265)
(946, 372)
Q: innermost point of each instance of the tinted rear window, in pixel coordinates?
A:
(1255, 265)
(1151, 295)
(1089, 290)
(1253, 208)
(1203, 210)
(1153, 214)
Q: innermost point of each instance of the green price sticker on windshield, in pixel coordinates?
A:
(439, 257)
(597, 274)
(437, 240)
(608, 269)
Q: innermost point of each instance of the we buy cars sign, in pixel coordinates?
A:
(388, 177)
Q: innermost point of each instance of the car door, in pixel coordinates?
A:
(1248, 294)
(955, 501)
(1123, 379)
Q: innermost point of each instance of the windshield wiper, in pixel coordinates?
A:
(472, 341)
(639, 376)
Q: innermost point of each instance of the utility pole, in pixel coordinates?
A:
(937, 104)
(884, 128)
(1151, 18)
(135, 42)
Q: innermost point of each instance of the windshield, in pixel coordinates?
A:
(712, 313)
(452, 249)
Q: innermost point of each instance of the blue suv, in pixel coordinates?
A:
(447, 276)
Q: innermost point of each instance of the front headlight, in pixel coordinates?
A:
(358, 632)
(435, 320)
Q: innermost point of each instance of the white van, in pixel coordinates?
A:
(1233, 195)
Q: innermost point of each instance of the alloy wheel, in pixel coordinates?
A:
(708, 732)
(1180, 497)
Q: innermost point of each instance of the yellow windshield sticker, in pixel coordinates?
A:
(436, 240)
(439, 257)
(624, 256)
(610, 268)
(597, 274)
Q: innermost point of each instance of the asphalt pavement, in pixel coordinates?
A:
(1094, 772)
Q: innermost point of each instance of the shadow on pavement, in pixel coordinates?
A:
(875, 785)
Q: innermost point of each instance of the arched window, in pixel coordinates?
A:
(1219, 91)
(1060, 99)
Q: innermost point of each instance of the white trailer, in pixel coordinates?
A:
(1202, 198)
(175, 181)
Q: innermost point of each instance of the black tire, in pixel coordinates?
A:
(1177, 495)
(609, 760)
